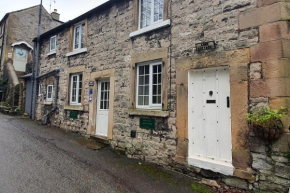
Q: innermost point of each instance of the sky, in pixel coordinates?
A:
(68, 9)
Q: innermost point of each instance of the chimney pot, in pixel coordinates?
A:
(55, 15)
(55, 10)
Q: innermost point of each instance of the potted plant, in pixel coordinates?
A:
(266, 123)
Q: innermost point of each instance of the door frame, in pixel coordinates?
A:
(203, 162)
(95, 77)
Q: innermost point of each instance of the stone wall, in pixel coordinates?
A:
(257, 165)
(18, 28)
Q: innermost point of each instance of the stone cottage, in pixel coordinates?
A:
(171, 82)
(16, 46)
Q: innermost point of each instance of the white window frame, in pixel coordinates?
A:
(80, 36)
(52, 50)
(151, 106)
(152, 15)
(76, 103)
(49, 99)
(39, 90)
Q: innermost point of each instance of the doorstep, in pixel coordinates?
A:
(100, 139)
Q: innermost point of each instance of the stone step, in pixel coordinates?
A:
(100, 139)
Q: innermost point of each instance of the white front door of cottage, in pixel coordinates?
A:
(209, 115)
(102, 119)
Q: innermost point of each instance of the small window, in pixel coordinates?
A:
(39, 90)
(79, 36)
(52, 44)
(76, 89)
(151, 11)
(49, 93)
(149, 85)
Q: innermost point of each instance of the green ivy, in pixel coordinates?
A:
(266, 117)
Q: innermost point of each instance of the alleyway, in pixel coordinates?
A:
(35, 158)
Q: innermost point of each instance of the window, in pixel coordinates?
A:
(79, 36)
(76, 89)
(52, 44)
(39, 90)
(149, 85)
(151, 11)
(49, 93)
(1, 29)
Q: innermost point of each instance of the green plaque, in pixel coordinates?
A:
(147, 123)
(73, 114)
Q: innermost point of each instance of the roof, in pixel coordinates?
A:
(78, 19)
(22, 42)
(7, 14)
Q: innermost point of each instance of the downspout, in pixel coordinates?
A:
(2, 48)
(33, 79)
(46, 117)
(36, 67)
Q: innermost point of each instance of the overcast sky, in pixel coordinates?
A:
(68, 9)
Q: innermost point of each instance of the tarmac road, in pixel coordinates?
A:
(40, 159)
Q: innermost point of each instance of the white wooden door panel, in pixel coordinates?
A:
(102, 119)
(209, 121)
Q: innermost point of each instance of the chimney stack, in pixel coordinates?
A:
(55, 15)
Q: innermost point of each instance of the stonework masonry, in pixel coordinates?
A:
(253, 45)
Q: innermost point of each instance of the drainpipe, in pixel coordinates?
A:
(33, 79)
(35, 74)
(3, 37)
(46, 117)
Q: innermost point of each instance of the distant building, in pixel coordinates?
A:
(17, 30)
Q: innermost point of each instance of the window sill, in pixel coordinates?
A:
(51, 53)
(47, 102)
(155, 26)
(75, 52)
(149, 113)
(74, 108)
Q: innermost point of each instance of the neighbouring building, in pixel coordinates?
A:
(171, 82)
(17, 31)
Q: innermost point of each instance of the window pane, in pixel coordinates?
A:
(80, 88)
(147, 69)
(141, 70)
(140, 100)
(77, 36)
(146, 90)
(146, 100)
(158, 10)
(145, 19)
(141, 90)
(52, 43)
(154, 99)
(83, 36)
(147, 79)
(154, 89)
(141, 80)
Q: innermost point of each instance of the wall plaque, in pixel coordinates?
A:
(91, 83)
(203, 46)
(73, 114)
(147, 123)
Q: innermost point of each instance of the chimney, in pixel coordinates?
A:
(55, 15)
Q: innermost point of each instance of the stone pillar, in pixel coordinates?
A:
(270, 86)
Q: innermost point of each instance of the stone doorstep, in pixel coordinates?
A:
(100, 139)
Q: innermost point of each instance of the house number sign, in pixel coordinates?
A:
(147, 123)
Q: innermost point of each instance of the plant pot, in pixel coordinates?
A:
(270, 134)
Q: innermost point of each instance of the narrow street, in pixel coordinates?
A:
(35, 158)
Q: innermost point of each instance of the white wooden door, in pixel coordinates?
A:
(209, 115)
(103, 108)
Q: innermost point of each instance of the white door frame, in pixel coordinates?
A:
(224, 167)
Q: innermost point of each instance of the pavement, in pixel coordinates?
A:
(40, 159)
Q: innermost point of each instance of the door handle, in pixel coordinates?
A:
(228, 102)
